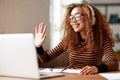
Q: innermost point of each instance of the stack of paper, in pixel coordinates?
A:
(111, 76)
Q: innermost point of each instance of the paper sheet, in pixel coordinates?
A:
(72, 71)
(60, 70)
(111, 76)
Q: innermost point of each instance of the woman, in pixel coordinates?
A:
(87, 38)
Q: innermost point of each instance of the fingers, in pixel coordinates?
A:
(41, 28)
(40, 34)
(88, 70)
(85, 70)
(44, 29)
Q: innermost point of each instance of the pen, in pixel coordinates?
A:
(63, 69)
(51, 69)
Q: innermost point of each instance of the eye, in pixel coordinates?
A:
(77, 16)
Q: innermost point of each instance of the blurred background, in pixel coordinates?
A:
(21, 16)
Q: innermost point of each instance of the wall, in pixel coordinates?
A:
(111, 10)
(21, 16)
(104, 1)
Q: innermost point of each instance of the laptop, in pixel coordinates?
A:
(18, 57)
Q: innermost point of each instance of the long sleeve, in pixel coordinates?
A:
(111, 60)
(56, 51)
(48, 55)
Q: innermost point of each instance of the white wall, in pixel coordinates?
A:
(21, 16)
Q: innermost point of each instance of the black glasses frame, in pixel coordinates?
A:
(76, 17)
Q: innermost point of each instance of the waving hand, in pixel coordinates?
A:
(40, 34)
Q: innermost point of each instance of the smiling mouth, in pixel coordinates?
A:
(75, 26)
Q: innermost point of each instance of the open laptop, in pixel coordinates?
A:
(18, 57)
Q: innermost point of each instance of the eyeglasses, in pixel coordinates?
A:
(76, 17)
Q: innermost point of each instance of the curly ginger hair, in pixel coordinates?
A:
(94, 32)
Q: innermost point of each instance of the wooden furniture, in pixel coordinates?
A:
(77, 77)
(66, 77)
(106, 5)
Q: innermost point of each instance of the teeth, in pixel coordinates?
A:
(75, 25)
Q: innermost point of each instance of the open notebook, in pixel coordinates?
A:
(18, 57)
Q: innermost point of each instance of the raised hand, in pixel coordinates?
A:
(40, 34)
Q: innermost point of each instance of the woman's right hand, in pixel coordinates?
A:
(40, 34)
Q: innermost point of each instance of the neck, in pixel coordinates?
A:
(83, 36)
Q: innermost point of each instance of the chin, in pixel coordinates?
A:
(76, 30)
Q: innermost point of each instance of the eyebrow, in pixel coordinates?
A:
(77, 13)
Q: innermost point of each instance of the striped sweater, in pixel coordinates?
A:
(85, 57)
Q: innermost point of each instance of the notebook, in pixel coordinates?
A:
(18, 57)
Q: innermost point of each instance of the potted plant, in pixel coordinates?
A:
(117, 53)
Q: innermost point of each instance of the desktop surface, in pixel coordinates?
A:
(67, 76)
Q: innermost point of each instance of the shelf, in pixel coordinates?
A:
(117, 42)
(114, 26)
(106, 5)
(114, 23)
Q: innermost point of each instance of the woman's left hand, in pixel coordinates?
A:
(88, 70)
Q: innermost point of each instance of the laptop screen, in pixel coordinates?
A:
(18, 56)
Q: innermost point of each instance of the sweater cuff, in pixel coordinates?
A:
(102, 68)
(40, 50)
